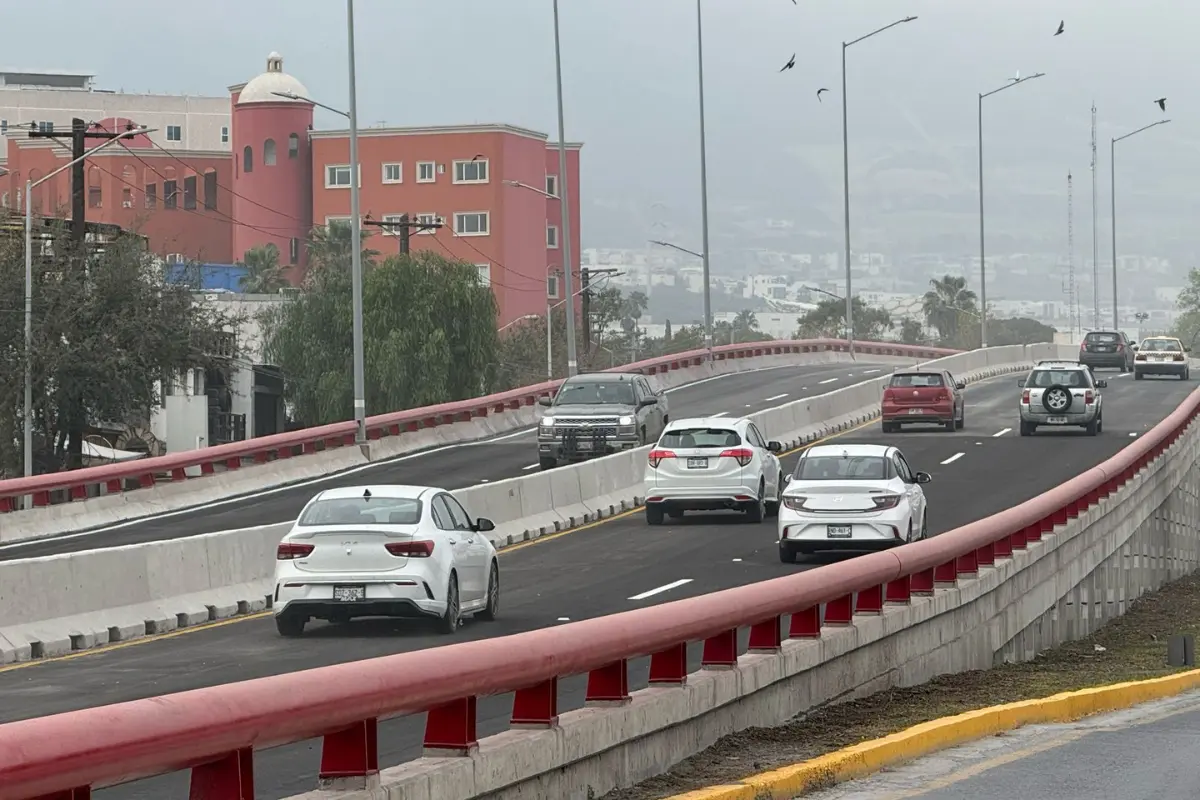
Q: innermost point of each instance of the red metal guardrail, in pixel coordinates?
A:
(144, 473)
(214, 731)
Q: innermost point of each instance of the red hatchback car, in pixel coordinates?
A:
(928, 397)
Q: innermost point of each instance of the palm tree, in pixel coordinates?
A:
(329, 246)
(746, 321)
(264, 274)
(945, 303)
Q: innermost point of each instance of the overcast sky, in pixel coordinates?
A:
(630, 76)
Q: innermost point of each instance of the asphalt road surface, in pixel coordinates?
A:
(1147, 752)
(454, 466)
(601, 569)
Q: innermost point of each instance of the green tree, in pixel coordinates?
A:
(107, 327)
(1187, 324)
(429, 329)
(946, 304)
(329, 246)
(745, 324)
(912, 331)
(828, 320)
(264, 274)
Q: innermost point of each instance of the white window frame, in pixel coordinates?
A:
(336, 218)
(345, 185)
(552, 179)
(383, 172)
(224, 134)
(550, 228)
(177, 130)
(487, 218)
(485, 274)
(432, 166)
(422, 219)
(487, 170)
(552, 287)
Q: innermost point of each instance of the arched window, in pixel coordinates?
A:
(128, 183)
(269, 153)
(293, 146)
(247, 159)
(95, 193)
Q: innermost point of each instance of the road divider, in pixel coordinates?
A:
(88, 498)
(57, 604)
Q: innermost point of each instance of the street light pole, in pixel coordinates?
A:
(707, 276)
(27, 440)
(982, 263)
(356, 271)
(1112, 165)
(564, 206)
(846, 180)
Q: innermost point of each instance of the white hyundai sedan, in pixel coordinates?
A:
(385, 551)
(851, 497)
(712, 463)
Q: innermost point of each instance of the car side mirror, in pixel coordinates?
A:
(787, 478)
(648, 401)
(1187, 349)
(923, 477)
(545, 401)
(775, 447)
(1133, 347)
(1101, 384)
(1021, 384)
(960, 386)
(483, 525)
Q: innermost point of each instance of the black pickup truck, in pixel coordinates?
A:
(598, 414)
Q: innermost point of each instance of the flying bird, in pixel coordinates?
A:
(791, 63)
(1017, 78)
(1162, 103)
(819, 100)
(1062, 26)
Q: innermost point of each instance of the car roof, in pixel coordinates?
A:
(706, 422)
(1056, 364)
(392, 491)
(1164, 338)
(602, 377)
(1102, 330)
(849, 450)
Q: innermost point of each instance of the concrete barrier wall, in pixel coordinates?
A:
(1061, 588)
(123, 506)
(56, 604)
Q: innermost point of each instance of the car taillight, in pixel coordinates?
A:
(888, 394)
(657, 456)
(1140, 357)
(743, 455)
(289, 551)
(795, 503)
(416, 549)
(1025, 397)
(943, 396)
(886, 501)
(1179, 358)
(1088, 397)
(1120, 348)
(1083, 346)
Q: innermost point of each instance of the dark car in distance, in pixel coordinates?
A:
(1107, 350)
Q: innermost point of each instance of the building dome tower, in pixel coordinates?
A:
(272, 165)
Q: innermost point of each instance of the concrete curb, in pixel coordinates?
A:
(867, 758)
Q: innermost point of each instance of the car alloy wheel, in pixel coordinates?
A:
(453, 616)
(492, 609)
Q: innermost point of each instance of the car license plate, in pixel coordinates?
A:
(916, 411)
(697, 463)
(1056, 420)
(349, 594)
(583, 445)
(1160, 358)
(838, 531)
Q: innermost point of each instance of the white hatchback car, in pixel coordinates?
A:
(385, 551)
(851, 497)
(712, 463)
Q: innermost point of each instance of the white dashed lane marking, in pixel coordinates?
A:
(660, 589)
(953, 458)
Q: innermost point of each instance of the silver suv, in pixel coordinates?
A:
(1060, 394)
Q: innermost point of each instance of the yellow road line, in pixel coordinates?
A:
(870, 757)
(108, 648)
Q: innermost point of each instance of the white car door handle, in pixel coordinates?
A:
(453, 541)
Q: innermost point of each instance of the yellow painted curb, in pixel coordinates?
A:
(869, 757)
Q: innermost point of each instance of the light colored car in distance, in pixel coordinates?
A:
(385, 551)
(713, 463)
(1061, 394)
(1162, 355)
(851, 497)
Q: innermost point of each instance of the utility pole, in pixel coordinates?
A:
(1072, 305)
(403, 228)
(1095, 233)
(585, 300)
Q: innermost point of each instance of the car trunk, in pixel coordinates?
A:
(841, 497)
(1103, 343)
(917, 395)
(702, 462)
(340, 550)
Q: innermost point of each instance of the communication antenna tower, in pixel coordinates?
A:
(1095, 233)
(1072, 295)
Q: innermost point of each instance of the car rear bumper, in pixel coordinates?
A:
(699, 497)
(583, 450)
(1103, 360)
(1160, 367)
(1073, 418)
(396, 597)
(804, 531)
(932, 413)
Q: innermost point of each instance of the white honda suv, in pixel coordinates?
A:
(709, 464)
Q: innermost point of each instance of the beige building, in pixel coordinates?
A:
(50, 99)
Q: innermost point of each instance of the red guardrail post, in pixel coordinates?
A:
(537, 706)
(451, 728)
(351, 752)
(609, 684)
(669, 666)
(806, 624)
(765, 636)
(720, 651)
(230, 777)
(840, 611)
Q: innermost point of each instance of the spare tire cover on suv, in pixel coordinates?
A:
(1057, 399)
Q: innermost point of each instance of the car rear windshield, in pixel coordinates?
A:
(841, 468)
(1045, 378)
(684, 438)
(1102, 337)
(361, 511)
(595, 393)
(1160, 346)
(917, 380)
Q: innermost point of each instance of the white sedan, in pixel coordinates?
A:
(851, 497)
(385, 551)
(712, 463)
